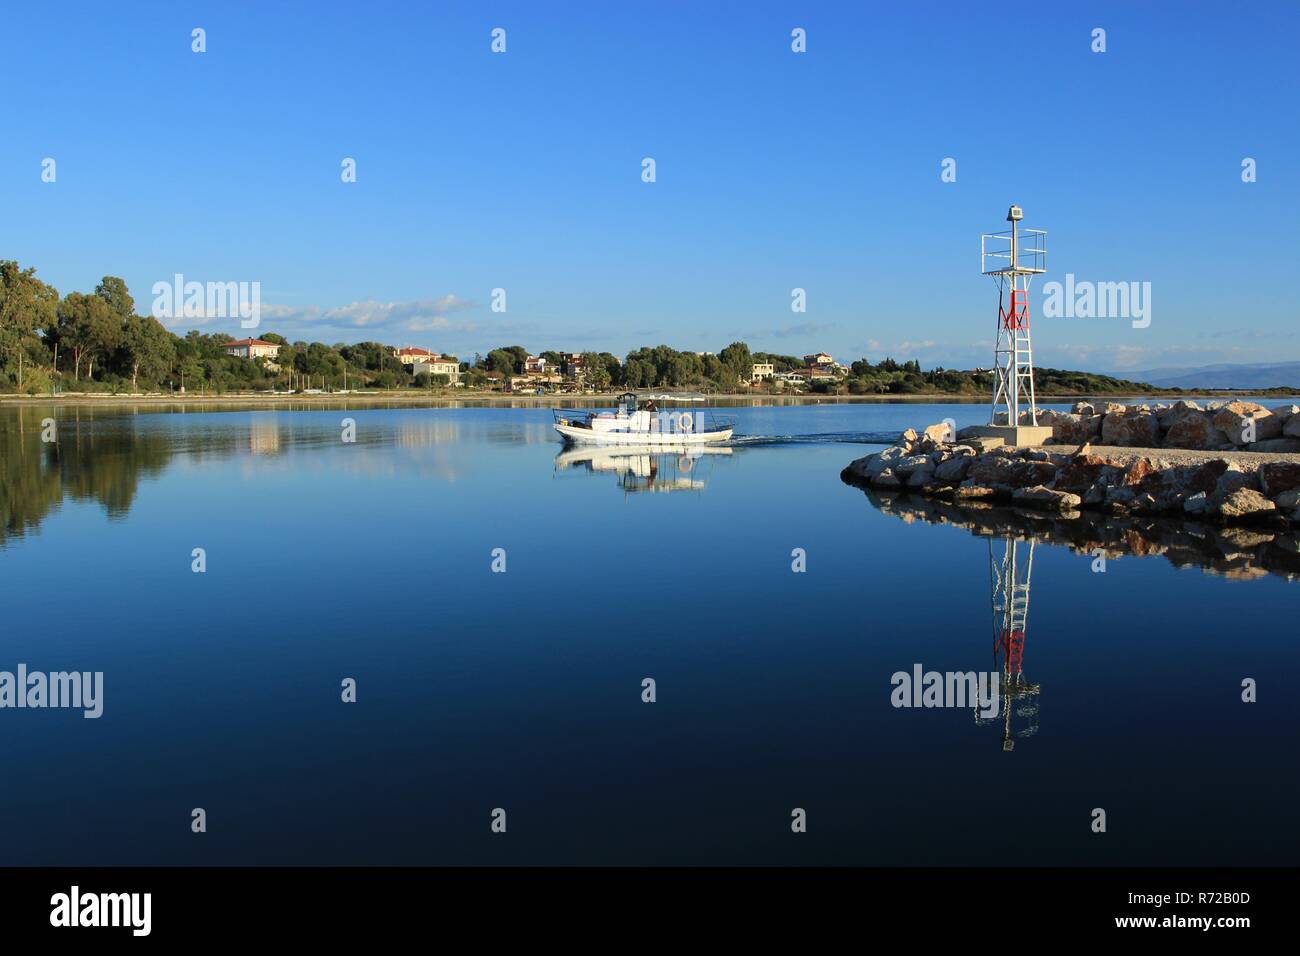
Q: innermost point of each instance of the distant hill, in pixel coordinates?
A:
(907, 378)
(1262, 375)
(1054, 381)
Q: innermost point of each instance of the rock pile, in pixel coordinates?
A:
(1227, 488)
(1219, 426)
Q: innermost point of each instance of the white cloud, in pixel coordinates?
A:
(918, 347)
(801, 330)
(371, 313)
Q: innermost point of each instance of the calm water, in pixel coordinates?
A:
(522, 690)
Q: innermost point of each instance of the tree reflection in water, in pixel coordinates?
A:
(99, 455)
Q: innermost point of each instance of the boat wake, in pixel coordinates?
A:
(819, 438)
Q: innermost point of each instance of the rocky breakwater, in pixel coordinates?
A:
(1218, 426)
(1230, 487)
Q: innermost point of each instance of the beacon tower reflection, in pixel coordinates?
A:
(1011, 563)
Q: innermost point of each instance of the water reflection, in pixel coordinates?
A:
(103, 454)
(1011, 564)
(1236, 552)
(84, 463)
(264, 437)
(1233, 552)
(643, 470)
(99, 454)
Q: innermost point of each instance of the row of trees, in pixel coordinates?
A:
(662, 366)
(906, 378)
(647, 367)
(96, 341)
(659, 366)
(42, 335)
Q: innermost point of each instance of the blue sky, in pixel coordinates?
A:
(775, 170)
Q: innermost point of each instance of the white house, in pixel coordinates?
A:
(439, 366)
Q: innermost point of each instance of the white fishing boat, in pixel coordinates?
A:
(644, 420)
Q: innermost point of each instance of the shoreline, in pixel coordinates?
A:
(497, 399)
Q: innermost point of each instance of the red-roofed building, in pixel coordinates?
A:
(252, 349)
(411, 354)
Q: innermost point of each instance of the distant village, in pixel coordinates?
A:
(567, 373)
(515, 370)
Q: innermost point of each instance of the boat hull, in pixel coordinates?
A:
(588, 436)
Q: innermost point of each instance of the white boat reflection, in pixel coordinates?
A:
(662, 469)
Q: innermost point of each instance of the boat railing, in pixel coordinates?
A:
(572, 416)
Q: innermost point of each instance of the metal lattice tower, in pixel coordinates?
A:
(1009, 577)
(1013, 258)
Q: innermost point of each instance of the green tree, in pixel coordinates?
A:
(321, 360)
(291, 359)
(613, 367)
(113, 291)
(738, 361)
(90, 328)
(26, 305)
(594, 371)
(719, 371)
(148, 348)
(505, 361)
(189, 373)
(688, 368)
(371, 356)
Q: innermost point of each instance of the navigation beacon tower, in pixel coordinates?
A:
(1013, 258)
